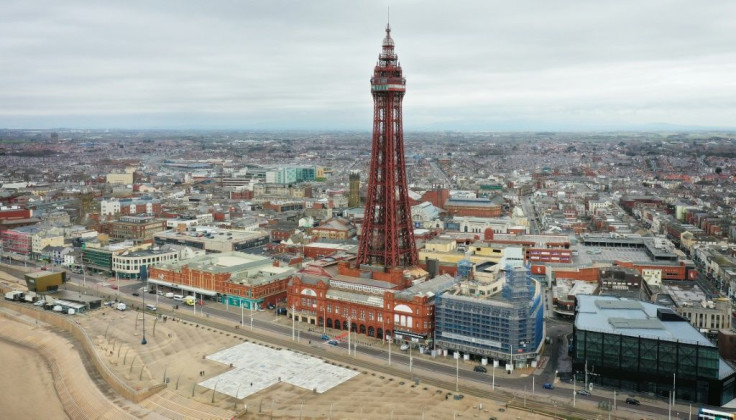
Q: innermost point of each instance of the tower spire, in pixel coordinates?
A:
(387, 234)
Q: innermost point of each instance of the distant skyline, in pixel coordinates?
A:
(285, 65)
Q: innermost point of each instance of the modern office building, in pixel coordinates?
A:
(473, 320)
(647, 348)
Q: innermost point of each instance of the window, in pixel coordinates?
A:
(329, 308)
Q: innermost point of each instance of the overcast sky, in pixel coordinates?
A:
(270, 64)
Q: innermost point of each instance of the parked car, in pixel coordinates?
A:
(480, 369)
(549, 386)
(281, 311)
(583, 392)
(404, 347)
(271, 306)
(151, 307)
(632, 401)
(136, 294)
(332, 342)
(325, 337)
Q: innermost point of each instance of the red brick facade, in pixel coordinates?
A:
(219, 282)
(309, 303)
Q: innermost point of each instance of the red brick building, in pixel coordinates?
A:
(479, 207)
(335, 228)
(233, 277)
(376, 308)
(241, 195)
(16, 217)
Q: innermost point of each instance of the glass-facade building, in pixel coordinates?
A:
(647, 348)
(496, 327)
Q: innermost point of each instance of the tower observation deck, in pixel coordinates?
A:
(387, 236)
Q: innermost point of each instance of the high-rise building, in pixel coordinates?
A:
(387, 238)
(354, 195)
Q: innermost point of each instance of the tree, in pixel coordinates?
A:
(719, 170)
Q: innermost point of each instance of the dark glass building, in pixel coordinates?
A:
(647, 348)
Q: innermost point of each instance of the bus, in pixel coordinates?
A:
(708, 414)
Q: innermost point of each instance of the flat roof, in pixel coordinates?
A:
(613, 315)
(224, 262)
(209, 234)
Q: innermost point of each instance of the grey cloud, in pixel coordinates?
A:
(290, 64)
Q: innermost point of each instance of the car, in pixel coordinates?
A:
(178, 298)
(548, 386)
(152, 291)
(404, 347)
(480, 369)
(281, 311)
(151, 307)
(271, 306)
(325, 337)
(114, 287)
(583, 392)
(39, 303)
(632, 401)
(136, 294)
(44, 268)
(332, 342)
(160, 292)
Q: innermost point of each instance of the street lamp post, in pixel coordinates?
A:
(389, 352)
(511, 356)
(144, 277)
(251, 317)
(242, 312)
(350, 323)
(293, 322)
(457, 371)
(410, 358)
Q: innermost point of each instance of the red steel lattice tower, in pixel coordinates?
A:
(387, 235)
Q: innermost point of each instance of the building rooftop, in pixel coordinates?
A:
(211, 234)
(427, 288)
(219, 263)
(612, 315)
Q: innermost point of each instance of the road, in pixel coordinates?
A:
(440, 174)
(531, 215)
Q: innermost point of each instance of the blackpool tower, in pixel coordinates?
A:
(387, 236)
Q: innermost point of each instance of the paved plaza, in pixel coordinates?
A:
(257, 367)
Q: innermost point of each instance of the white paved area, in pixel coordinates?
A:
(257, 367)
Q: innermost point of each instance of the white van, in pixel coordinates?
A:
(179, 297)
(150, 307)
(169, 295)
